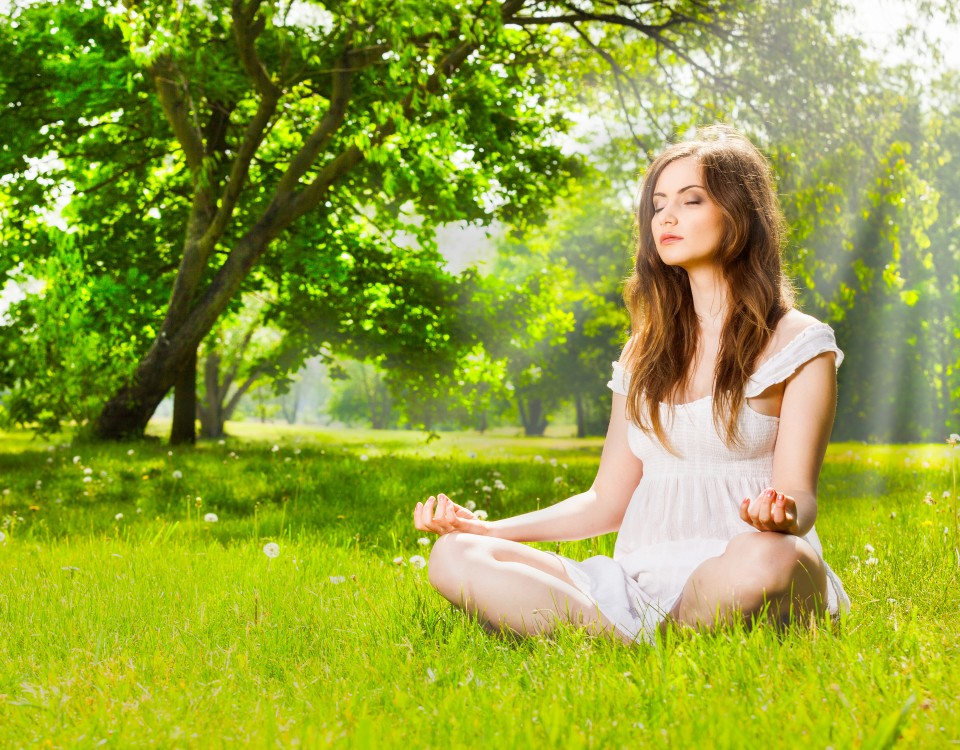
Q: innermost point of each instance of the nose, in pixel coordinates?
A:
(666, 216)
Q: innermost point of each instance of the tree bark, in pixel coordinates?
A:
(184, 428)
(581, 415)
(211, 413)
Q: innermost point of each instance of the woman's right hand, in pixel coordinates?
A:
(441, 516)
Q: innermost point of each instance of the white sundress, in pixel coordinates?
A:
(687, 508)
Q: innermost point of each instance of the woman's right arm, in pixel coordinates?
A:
(599, 510)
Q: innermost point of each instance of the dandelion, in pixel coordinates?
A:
(926, 464)
(70, 568)
(558, 480)
(498, 484)
(87, 480)
(364, 457)
(471, 505)
(169, 453)
(424, 541)
(275, 448)
(398, 561)
(40, 484)
(869, 548)
(131, 452)
(118, 517)
(553, 462)
(471, 454)
(221, 442)
(34, 507)
(946, 494)
(538, 459)
(6, 491)
(271, 549)
(418, 561)
(496, 473)
(893, 514)
(76, 459)
(210, 518)
(478, 482)
(870, 561)
(928, 499)
(3, 538)
(88, 471)
(337, 579)
(139, 510)
(480, 515)
(177, 474)
(103, 474)
(954, 439)
(296, 451)
(486, 489)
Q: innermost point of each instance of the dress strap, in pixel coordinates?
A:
(810, 342)
(620, 381)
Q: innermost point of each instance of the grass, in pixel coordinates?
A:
(157, 629)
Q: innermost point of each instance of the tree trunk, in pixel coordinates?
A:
(184, 427)
(533, 417)
(211, 413)
(581, 416)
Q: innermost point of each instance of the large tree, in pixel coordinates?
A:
(199, 139)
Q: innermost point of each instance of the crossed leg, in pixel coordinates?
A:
(508, 584)
(777, 576)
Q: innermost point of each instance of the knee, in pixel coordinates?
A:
(449, 561)
(779, 560)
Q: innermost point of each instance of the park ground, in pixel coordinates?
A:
(130, 618)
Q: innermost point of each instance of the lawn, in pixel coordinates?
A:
(128, 620)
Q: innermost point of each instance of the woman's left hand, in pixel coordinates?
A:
(770, 511)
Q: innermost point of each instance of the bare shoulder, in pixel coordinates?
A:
(790, 326)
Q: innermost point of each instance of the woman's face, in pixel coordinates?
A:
(687, 225)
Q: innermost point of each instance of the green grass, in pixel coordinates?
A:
(157, 629)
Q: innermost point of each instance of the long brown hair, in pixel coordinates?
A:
(666, 329)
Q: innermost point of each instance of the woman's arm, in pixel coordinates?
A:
(806, 420)
(597, 511)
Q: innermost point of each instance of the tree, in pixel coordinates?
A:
(198, 138)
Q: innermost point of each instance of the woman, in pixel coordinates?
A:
(724, 399)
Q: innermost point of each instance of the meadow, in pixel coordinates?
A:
(129, 617)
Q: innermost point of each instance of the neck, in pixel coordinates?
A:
(709, 290)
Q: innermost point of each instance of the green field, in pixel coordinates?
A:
(126, 620)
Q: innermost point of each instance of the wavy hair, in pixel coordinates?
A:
(666, 330)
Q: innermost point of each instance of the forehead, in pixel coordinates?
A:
(679, 174)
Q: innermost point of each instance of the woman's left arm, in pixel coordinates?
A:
(806, 420)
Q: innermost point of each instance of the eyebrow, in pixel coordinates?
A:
(681, 190)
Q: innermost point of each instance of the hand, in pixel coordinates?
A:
(441, 516)
(770, 511)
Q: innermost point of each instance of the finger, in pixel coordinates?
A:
(744, 510)
(426, 514)
(763, 513)
(778, 513)
(417, 523)
(438, 511)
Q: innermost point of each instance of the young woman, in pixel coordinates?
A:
(724, 399)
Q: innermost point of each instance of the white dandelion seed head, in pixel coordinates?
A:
(471, 505)
(893, 514)
(88, 471)
(337, 579)
(553, 462)
(275, 448)
(39, 484)
(871, 561)
(486, 489)
(177, 474)
(418, 561)
(130, 452)
(398, 561)
(76, 459)
(211, 518)
(538, 459)
(558, 480)
(926, 464)
(471, 454)
(954, 439)
(946, 494)
(169, 453)
(271, 550)
(3, 538)
(364, 457)
(868, 547)
(424, 541)
(499, 485)
(480, 515)
(103, 474)
(221, 442)
(118, 517)
(87, 480)
(297, 451)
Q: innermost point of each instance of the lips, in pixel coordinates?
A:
(667, 238)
